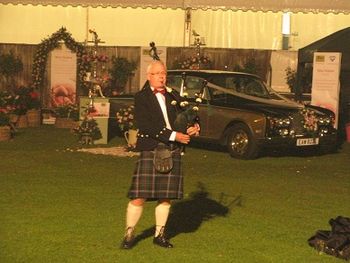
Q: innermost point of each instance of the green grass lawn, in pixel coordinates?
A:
(60, 205)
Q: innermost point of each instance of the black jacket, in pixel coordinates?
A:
(150, 120)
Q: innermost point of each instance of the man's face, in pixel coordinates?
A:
(157, 76)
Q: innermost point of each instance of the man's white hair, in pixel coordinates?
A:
(155, 62)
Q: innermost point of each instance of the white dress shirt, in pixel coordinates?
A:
(161, 100)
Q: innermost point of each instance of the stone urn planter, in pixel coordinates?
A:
(131, 137)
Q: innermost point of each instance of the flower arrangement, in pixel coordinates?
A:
(310, 121)
(4, 117)
(6, 99)
(6, 107)
(88, 131)
(195, 62)
(88, 58)
(33, 101)
(120, 72)
(125, 118)
(48, 45)
(68, 111)
(22, 100)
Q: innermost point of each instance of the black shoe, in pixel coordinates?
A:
(129, 239)
(161, 241)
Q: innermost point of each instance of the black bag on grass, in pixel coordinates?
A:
(335, 242)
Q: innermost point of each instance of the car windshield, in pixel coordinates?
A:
(247, 85)
(240, 83)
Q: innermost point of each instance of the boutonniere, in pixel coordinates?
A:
(168, 89)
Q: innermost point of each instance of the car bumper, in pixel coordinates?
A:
(290, 142)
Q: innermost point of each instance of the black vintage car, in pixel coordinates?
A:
(239, 111)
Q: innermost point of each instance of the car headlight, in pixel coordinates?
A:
(280, 126)
(324, 121)
(279, 123)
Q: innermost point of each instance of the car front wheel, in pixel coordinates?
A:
(240, 142)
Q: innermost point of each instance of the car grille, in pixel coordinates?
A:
(297, 125)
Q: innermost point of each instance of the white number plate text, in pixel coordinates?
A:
(307, 141)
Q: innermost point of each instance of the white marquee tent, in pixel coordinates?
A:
(224, 23)
(335, 6)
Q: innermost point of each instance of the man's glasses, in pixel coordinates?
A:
(162, 73)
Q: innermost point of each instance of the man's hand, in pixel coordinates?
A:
(182, 138)
(193, 130)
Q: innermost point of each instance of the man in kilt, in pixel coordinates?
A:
(155, 115)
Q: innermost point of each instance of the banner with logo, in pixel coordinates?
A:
(146, 59)
(63, 76)
(325, 81)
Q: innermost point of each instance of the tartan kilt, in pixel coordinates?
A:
(148, 184)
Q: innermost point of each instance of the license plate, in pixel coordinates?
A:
(307, 141)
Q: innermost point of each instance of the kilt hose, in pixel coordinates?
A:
(148, 184)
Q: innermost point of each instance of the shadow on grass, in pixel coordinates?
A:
(187, 215)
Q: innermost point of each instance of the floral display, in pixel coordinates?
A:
(4, 117)
(33, 101)
(310, 121)
(20, 101)
(88, 58)
(125, 118)
(5, 107)
(120, 71)
(68, 110)
(195, 62)
(48, 45)
(88, 131)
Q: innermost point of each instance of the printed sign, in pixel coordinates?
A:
(101, 109)
(325, 81)
(63, 76)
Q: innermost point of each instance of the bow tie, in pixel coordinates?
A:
(162, 91)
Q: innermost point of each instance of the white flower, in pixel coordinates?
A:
(185, 94)
(199, 100)
(195, 108)
(173, 102)
(168, 89)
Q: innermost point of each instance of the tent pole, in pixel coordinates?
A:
(87, 26)
(187, 27)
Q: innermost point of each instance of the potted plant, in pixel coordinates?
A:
(88, 131)
(120, 72)
(9, 67)
(20, 106)
(291, 78)
(67, 115)
(126, 122)
(5, 130)
(33, 108)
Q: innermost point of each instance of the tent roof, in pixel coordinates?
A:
(316, 6)
(336, 42)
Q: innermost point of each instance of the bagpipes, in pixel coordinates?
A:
(187, 114)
